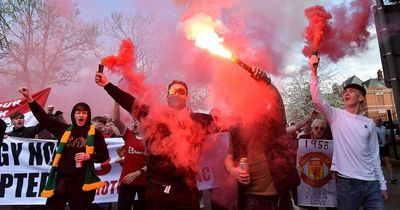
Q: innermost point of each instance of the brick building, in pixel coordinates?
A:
(379, 98)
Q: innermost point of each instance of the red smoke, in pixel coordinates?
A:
(318, 23)
(346, 34)
(182, 145)
(211, 7)
(232, 88)
(125, 64)
(181, 142)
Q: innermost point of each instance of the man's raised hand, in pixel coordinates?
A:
(25, 92)
(314, 61)
(101, 79)
(260, 74)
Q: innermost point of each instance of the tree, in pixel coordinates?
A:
(43, 47)
(139, 29)
(296, 92)
(4, 28)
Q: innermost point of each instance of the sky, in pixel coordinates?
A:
(266, 35)
(364, 64)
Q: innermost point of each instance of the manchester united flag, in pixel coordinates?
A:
(317, 187)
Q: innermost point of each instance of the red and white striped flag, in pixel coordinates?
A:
(7, 108)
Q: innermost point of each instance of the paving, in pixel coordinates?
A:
(394, 189)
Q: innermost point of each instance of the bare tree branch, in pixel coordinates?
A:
(44, 47)
(138, 28)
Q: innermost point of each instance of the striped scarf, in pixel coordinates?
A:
(91, 180)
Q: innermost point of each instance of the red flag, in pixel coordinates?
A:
(7, 108)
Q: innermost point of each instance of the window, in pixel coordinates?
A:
(379, 100)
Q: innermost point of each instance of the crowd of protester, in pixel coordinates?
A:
(162, 183)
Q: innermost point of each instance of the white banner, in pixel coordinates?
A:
(109, 172)
(24, 167)
(318, 187)
(212, 171)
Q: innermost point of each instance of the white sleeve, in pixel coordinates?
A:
(376, 161)
(319, 102)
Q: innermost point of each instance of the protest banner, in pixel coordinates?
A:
(25, 163)
(317, 187)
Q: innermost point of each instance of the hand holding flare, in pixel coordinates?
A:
(202, 29)
(314, 61)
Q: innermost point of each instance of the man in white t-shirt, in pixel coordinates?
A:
(356, 161)
(384, 147)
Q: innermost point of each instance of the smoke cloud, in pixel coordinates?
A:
(259, 33)
(318, 23)
(124, 64)
(346, 34)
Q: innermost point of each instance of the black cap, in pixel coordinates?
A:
(357, 87)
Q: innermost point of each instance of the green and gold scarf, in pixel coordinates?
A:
(91, 180)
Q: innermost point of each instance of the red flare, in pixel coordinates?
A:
(125, 64)
(346, 34)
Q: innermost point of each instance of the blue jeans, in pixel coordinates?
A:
(353, 193)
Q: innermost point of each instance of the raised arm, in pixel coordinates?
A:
(49, 123)
(117, 119)
(260, 75)
(121, 97)
(276, 98)
(319, 102)
(3, 127)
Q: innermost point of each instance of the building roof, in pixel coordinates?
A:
(374, 83)
(371, 83)
(353, 79)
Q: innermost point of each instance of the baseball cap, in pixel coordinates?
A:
(357, 87)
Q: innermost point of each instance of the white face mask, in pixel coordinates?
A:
(176, 101)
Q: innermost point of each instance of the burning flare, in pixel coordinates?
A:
(202, 29)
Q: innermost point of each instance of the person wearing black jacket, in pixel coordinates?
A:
(72, 177)
(172, 133)
(19, 130)
(3, 127)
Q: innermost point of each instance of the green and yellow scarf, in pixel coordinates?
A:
(92, 182)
